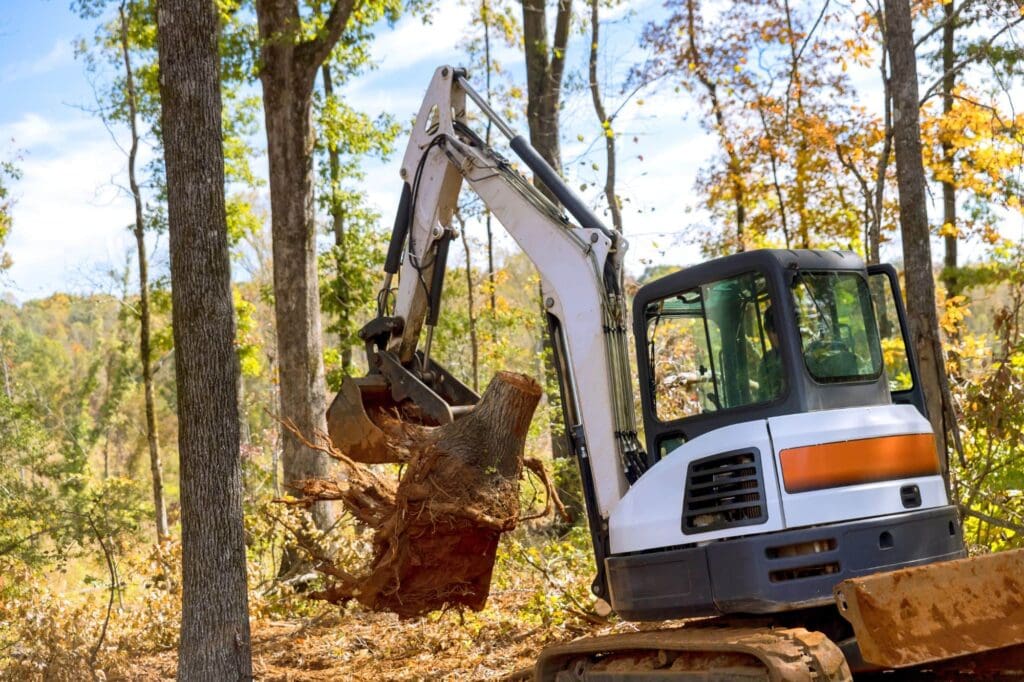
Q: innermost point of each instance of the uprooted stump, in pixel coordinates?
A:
(435, 533)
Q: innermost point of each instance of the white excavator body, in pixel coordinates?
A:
(784, 463)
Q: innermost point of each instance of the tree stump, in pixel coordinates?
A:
(437, 532)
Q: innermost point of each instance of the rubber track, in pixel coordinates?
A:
(788, 654)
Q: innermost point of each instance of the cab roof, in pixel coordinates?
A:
(767, 260)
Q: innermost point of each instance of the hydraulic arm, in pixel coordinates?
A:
(580, 266)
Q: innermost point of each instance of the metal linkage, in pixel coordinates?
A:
(536, 163)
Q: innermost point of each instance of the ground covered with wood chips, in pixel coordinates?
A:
(360, 645)
(539, 596)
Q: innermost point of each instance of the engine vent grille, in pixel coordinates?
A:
(724, 491)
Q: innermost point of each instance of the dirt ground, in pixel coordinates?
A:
(359, 645)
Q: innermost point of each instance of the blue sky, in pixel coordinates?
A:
(72, 213)
(69, 219)
(37, 67)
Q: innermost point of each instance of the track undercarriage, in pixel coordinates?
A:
(959, 619)
(701, 653)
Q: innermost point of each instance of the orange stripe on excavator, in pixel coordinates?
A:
(865, 460)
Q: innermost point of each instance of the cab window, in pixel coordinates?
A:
(713, 348)
(837, 326)
(894, 349)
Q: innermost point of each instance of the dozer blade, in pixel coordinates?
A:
(936, 612)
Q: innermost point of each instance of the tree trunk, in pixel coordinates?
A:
(338, 227)
(470, 304)
(145, 350)
(485, 17)
(948, 187)
(215, 642)
(882, 167)
(735, 164)
(437, 532)
(296, 289)
(602, 117)
(545, 64)
(917, 253)
(287, 72)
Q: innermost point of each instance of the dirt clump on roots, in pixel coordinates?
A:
(436, 532)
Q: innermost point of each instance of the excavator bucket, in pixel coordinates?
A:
(348, 423)
(941, 611)
(393, 394)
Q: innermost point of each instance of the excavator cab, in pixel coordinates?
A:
(768, 333)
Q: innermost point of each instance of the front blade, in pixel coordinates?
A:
(938, 611)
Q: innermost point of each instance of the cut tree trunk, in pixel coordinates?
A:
(437, 531)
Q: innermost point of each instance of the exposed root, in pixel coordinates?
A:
(436, 532)
(536, 466)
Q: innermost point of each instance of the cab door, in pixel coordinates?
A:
(897, 349)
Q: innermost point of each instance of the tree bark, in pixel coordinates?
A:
(139, 231)
(917, 253)
(215, 641)
(545, 65)
(337, 225)
(287, 71)
(948, 187)
(437, 532)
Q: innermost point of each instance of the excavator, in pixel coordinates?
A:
(782, 490)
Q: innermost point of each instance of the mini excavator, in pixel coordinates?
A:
(785, 493)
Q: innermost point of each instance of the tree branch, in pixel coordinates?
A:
(942, 24)
(865, 188)
(560, 43)
(967, 61)
(795, 65)
(310, 54)
(113, 589)
(992, 520)
(15, 544)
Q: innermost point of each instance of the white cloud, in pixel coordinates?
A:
(33, 131)
(412, 41)
(60, 54)
(70, 218)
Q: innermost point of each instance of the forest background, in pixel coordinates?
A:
(698, 129)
